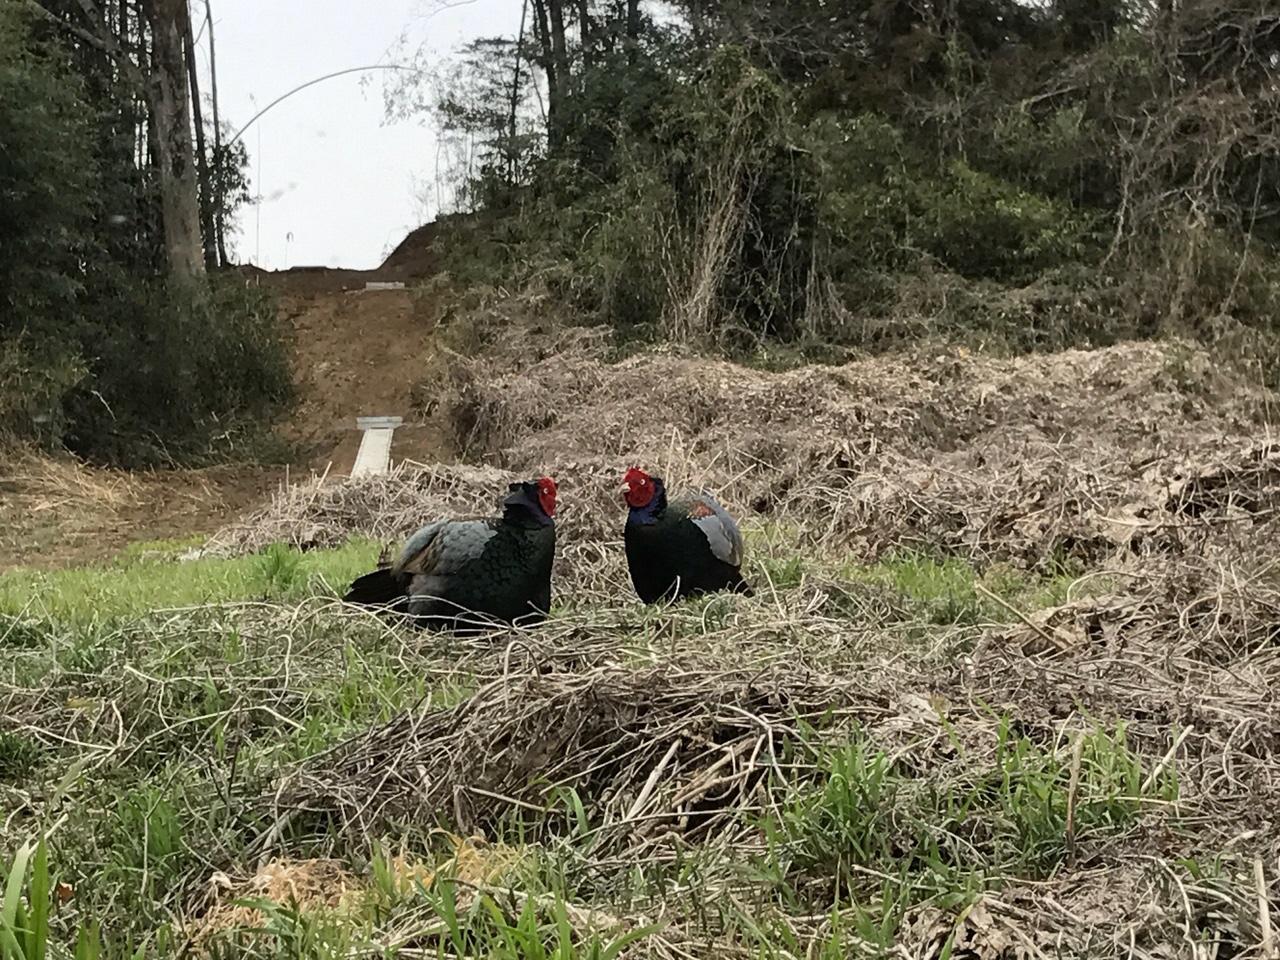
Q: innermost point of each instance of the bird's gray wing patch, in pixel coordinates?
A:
(421, 539)
(718, 527)
(444, 547)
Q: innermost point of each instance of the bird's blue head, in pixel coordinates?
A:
(646, 496)
(536, 498)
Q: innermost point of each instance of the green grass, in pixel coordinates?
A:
(968, 827)
(148, 578)
(938, 590)
(1002, 814)
(946, 590)
(146, 735)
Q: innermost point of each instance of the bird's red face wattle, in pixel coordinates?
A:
(547, 496)
(638, 488)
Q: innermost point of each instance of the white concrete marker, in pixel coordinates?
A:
(372, 286)
(374, 456)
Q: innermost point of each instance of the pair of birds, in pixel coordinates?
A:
(461, 573)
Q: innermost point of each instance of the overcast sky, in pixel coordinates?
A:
(332, 173)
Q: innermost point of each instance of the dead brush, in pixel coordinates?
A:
(1081, 456)
(647, 751)
(324, 513)
(58, 484)
(1187, 658)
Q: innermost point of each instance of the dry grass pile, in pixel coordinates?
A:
(324, 513)
(1138, 449)
(647, 750)
(44, 500)
(233, 907)
(1013, 459)
(303, 885)
(44, 497)
(59, 511)
(1187, 656)
(43, 483)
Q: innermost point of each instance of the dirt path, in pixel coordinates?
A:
(358, 352)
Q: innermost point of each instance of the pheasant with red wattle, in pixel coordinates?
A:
(464, 574)
(679, 547)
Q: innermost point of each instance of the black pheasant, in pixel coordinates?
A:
(460, 574)
(680, 547)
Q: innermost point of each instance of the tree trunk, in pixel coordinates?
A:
(547, 61)
(175, 160)
(219, 220)
(205, 195)
(633, 29)
(697, 22)
(560, 84)
(512, 152)
(586, 35)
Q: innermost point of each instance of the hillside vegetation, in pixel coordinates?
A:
(1014, 176)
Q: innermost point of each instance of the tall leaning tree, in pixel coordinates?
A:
(170, 103)
(159, 75)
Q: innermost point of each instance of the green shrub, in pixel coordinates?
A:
(986, 228)
(46, 205)
(178, 372)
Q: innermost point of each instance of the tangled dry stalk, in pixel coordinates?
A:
(650, 750)
(1084, 455)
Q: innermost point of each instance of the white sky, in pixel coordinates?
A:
(331, 171)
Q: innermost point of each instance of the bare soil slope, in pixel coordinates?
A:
(357, 352)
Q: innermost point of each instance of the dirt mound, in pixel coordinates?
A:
(414, 256)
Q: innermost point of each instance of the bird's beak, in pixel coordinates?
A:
(624, 489)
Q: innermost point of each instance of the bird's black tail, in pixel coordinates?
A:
(378, 589)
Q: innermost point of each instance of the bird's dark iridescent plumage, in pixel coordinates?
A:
(466, 574)
(679, 548)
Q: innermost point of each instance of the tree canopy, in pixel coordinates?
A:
(112, 341)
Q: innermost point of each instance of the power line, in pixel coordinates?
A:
(303, 86)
